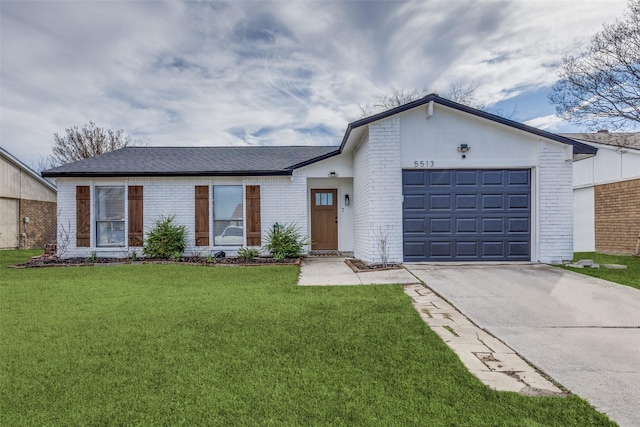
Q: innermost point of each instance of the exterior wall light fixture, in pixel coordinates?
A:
(332, 174)
(347, 201)
(463, 148)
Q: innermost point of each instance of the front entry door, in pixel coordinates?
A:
(324, 219)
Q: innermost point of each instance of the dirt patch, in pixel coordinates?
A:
(52, 261)
(359, 266)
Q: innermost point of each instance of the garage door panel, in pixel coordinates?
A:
(492, 201)
(466, 201)
(414, 201)
(467, 215)
(414, 250)
(440, 249)
(466, 178)
(519, 249)
(518, 201)
(414, 178)
(492, 225)
(466, 249)
(492, 178)
(492, 249)
(439, 179)
(439, 225)
(518, 177)
(440, 202)
(518, 225)
(466, 225)
(414, 226)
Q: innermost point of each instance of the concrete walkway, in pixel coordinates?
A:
(582, 331)
(494, 363)
(325, 271)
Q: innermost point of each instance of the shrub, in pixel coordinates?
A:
(248, 254)
(165, 239)
(285, 241)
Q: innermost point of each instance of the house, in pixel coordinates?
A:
(606, 192)
(27, 206)
(432, 179)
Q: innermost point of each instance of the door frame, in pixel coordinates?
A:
(333, 244)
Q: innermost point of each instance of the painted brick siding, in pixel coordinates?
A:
(617, 216)
(555, 204)
(361, 198)
(378, 172)
(283, 200)
(41, 228)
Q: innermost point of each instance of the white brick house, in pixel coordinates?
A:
(437, 180)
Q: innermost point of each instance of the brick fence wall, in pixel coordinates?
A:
(617, 216)
(41, 228)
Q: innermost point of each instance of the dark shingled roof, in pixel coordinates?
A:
(195, 161)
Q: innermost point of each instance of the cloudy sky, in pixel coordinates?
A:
(274, 73)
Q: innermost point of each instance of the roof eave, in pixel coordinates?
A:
(578, 147)
(315, 159)
(165, 174)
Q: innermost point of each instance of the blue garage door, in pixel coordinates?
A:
(467, 215)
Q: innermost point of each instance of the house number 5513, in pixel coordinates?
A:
(424, 164)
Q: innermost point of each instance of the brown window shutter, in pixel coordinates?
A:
(254, 231)
(202, 215)
(83, 216)
(136, 231)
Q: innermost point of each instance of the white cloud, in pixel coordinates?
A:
(220, 73)
(549, 123)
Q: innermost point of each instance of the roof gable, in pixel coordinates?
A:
(11, 158)
(578, 147)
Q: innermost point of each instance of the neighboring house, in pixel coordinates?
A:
(433, 179)
(27, 206)
(607, 194)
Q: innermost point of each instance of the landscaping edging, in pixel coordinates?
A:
(361, 267)
(219, 263)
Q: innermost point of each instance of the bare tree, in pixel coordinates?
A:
(600, 88)
(87, 141)
(462, 94)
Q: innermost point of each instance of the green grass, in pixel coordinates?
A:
(187, 345)
(629, 276)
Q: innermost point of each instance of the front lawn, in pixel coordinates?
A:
(188, 345)
(629, 276)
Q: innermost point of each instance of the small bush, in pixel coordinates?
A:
(248, 254)
(166, 239)
(285, 241)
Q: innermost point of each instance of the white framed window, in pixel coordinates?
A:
(109, 215)
(228, 224)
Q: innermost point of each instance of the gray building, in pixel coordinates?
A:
(28, 217)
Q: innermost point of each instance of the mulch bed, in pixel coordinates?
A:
(52, 261)
(359, 266)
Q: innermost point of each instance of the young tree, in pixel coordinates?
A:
(600, 88)
(88, 141)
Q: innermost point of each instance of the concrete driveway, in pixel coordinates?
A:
(583, 332)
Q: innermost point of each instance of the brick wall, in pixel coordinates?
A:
(617, 216)
(377, 185)
(283, 199)
(41, 228)
(555, 199)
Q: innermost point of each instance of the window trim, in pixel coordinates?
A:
(229, 220)
(98, 222)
